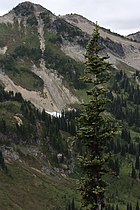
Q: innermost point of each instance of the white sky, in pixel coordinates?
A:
(121, 16)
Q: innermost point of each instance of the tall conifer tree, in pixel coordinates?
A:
(95, 129)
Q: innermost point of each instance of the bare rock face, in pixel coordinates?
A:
(135, 36)
(27, 8)
(9, 153)
(118, 47)
(8, 18)
(24, 9)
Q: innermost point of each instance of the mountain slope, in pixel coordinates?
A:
(33, 37)
(29, 188)
(118, 47)
(134, 36)
(40, 42)
(41, 57)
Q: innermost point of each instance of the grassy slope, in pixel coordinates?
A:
(13, 36)
(28, 189)
(123, 189)
(27, 79)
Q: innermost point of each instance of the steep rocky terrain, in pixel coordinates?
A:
(55, 95)
(32, 26)
(118, 47)
(134, 36)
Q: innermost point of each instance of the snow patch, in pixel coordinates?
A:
(55, 114)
